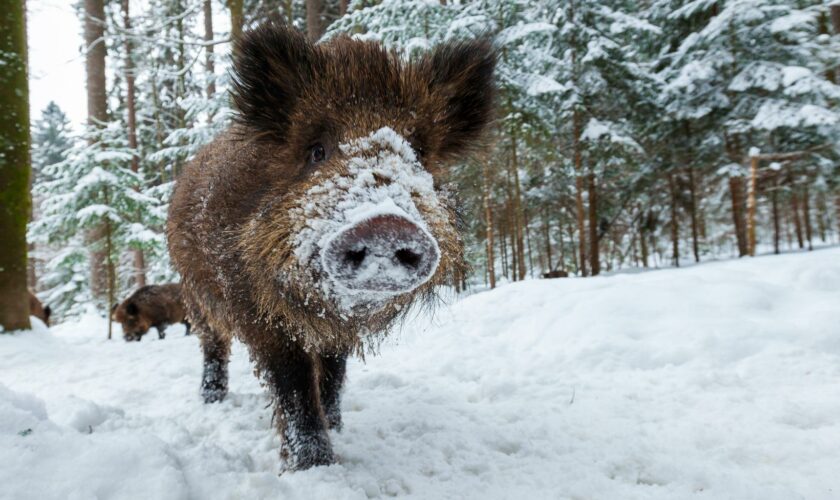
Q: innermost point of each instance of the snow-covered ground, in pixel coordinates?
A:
(719, 381)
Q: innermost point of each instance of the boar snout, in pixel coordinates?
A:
(385, 253)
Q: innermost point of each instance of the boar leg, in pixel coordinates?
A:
(186, 324)
(333, 368)
(161, 331)
(214, 379)
(291, 375)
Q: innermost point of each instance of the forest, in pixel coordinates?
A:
(626, 135)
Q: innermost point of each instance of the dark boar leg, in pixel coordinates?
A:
(333, 368)
(214, 379)
(291, 374)
(161, 331)
(186, 324)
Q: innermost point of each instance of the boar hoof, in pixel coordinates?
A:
(311, 451)
(213, 395)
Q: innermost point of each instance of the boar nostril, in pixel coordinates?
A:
(408, 258)
(355, 257)
(385, 253)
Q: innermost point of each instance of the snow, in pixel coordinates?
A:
(717, 381)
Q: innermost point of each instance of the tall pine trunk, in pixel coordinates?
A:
(581, 218)
(139, 260)
(15, 167)
(518, 220)
(97, 104)
(736, 189)
(675, 225)
(774, 200)
(806, 216)
(594, 237)
(208, 52)
(695, 226)
(797, 224)
(314, 25)
(236, 21)
(488, 218)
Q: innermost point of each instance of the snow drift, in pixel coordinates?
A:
(718, 381)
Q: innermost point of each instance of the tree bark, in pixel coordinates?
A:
(675, 228)
(797, 224)
(139, 260)
(736, 189)
(208, 51)
(517, 208)
(97, 104)
(236, 22)
(342, 7)
(578, 161)
(15, 167)
(695, 231)
(314, 25)
(774, 199)
(488, 218)
(547, 229)
(806, 215)
(594, 239)
(751, 205)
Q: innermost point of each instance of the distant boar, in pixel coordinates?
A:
(38, 310)
(309, 227)
(150, 306)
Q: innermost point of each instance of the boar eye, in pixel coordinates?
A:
(317, 154)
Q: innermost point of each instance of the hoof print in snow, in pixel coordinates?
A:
(310, 226)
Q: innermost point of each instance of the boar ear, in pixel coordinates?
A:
(273, 64)
(463, 82)
(131, 309)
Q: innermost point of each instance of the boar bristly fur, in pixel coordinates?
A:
(252, 214)
(150, 306)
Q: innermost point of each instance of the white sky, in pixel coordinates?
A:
(57, 68)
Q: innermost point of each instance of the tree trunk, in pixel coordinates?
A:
(97, 104)
(797, 224)
(751, 205)
(547, 230)
(488, 218)
(236, 21)
(527, 231)
(139, 260)
(15, 167)
(517, 208)
(594, 237)
(774, 199)
(675, 227)
(695, 226)
(342, 9)
(208, 51)
(503, 245)
(834, 10)
(806, 215)
(736, 188)
(578, 159)
(314, 26)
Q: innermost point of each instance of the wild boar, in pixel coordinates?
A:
(150, 306)
(38, 310)
(309, 227)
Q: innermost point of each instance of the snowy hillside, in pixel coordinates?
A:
(718, 381)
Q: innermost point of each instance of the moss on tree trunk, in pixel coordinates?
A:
(14, 167)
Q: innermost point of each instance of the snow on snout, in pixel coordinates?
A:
(383, 178)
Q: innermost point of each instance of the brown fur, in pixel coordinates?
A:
(38, 310)
(150, 306)
(231, 229)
